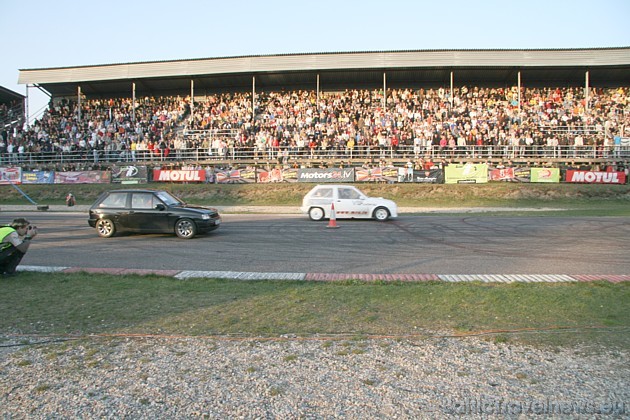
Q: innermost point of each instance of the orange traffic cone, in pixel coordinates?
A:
(332, 224)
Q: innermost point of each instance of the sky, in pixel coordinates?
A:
(62, 33)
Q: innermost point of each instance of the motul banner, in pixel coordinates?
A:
(181, 175)
(595, 177)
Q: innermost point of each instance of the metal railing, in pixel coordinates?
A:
(291, 154)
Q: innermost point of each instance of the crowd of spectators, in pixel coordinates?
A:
(289, 124)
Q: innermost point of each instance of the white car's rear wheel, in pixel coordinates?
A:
(316, 213)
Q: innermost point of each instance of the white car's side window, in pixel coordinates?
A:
(348, 194)
(323, 193)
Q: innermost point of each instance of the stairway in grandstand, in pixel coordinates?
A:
(14, 117)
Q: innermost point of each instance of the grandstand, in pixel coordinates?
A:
(520, 106)
(11, 110)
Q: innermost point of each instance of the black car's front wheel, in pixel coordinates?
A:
(105, 228)
(185, 228)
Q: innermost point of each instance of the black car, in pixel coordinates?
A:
(150, 211)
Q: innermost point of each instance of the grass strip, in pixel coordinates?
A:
(82, 304)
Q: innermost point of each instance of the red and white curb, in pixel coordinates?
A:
(331, 277)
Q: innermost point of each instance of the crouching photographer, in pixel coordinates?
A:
(14, 242)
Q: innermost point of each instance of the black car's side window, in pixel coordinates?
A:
(142, 201)
(115, 200)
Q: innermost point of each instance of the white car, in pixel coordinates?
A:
(349, 203)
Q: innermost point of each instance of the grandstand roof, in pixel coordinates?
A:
(427, 68)
(7, 96)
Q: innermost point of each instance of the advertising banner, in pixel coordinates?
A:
(519, 174)
(320, 175)
(235, 176)
(277, 175)
(129, 174)
(381, 174)
(595, 177)
(545, 175)
(468, 173)
(503, 174)
(10, 176)
(83, 177)
(181, 175)
(38, 177)
(429, 176)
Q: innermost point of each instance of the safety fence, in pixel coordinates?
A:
(293, 153)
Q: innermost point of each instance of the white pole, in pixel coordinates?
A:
(586, 93)
(133, 101)
(79, 103)
(384, 90)
(519, 92)
(253, 100)
(317, 107)
(192, 98)
(28, 116)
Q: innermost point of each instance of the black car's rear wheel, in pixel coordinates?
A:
(105, 228)
(185, 228)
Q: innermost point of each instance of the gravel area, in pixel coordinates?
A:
(146, 377)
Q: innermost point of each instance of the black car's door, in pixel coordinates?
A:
(145, 214)
(116, 208)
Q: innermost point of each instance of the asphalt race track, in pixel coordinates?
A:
(470, 244)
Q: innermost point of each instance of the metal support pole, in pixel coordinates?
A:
(586, 93)
(384, 90)
(519, 92)
(133, 102)
(452, 91)
(253, 100)
(317, 105)
(79, 103)
(192, 98)
(26, 110)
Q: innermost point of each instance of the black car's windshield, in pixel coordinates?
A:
(168, 199)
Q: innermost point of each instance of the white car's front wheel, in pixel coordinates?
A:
(381, 214)
(316, 213)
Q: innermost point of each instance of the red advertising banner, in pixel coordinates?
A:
(595, 177)
(10, 176)
(505, 174)
(181, 175)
